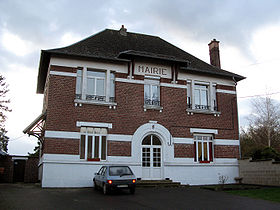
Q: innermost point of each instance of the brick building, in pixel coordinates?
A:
(132, 99)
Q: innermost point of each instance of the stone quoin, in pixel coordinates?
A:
(143, 103)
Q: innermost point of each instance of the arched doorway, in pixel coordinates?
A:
(151, 157)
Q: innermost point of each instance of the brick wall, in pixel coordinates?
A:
(222, 151)
(118, 148)
(129, 114)
(61, 146)
(183, 150)
(260, 172)
(7, 168)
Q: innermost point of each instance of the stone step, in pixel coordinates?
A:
(157, 183)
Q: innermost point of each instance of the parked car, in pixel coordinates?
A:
(114, 177)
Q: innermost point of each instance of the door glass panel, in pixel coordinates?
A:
(147, 140)
(156, 157)
(156, 140)
(146, 157)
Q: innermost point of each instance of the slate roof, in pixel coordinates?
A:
(112, 45)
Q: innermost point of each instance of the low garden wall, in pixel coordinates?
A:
(263, 172)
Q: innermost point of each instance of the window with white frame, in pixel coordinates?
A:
(214, 98)
(79, 84)
(203, 148)
(93, 143)
(92, 85)
(95, 85)
(112, 87)
(201, 97)
(152, 92)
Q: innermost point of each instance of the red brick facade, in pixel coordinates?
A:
(118, 148)
(222, 151)
(61, 146)
(62, 115)
(183, 150)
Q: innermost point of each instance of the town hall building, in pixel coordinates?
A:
(121, 98)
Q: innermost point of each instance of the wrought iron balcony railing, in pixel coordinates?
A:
(151, 102)
(95, 97)
(203, 107)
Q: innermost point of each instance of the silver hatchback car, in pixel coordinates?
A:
(114, 177)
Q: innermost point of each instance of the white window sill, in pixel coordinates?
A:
(203, 111)
(79, 102)
(146, 107)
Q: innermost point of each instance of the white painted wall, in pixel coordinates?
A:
(122, 68)
(63, 174)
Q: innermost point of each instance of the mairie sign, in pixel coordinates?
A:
(144, 69)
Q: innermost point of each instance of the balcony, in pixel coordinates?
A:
(152, 104)
(96, 100)
(198, 108)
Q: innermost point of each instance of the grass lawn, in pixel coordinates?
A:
(271, 194)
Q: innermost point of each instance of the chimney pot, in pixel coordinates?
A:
(123, 31)
(214, 53)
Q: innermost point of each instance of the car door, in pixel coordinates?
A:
(103, 176)
(98, 177)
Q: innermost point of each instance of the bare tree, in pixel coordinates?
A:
(3, 110)
(264, 126)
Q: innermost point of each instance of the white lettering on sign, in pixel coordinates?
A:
(152, 70)
(144, 69)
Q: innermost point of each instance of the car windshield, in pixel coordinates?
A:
(119, 171)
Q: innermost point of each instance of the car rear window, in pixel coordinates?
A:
(119, 171)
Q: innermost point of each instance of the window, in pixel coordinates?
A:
(119, 171)
(203, 148)
(201, 97)
(215, 106)
(91, 85)
(79, 84)
(95, 85)
(112, 87)
(152, 93)
(93, 143)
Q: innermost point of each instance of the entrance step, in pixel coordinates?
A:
(157, 183)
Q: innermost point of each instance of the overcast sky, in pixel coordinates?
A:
(248, 32)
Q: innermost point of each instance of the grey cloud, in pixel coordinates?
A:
(232, 22)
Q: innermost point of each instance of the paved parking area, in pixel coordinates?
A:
(30, 196)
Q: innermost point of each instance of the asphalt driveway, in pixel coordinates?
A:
(30, 196)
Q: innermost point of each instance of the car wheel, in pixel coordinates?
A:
(105, 189)
(132, 190)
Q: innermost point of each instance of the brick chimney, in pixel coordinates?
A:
(214, 53)
(123, 31)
